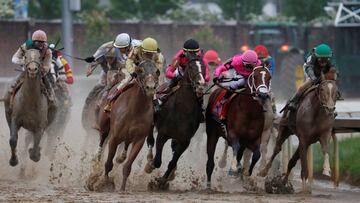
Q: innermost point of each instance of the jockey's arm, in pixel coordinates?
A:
(170, 71)
(18, 57)
(222, 68)
(68, 71)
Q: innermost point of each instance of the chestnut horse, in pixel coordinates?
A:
(131, 119)
(179, 118)
(314, 121)
(244, 123)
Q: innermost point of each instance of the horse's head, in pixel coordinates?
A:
(32, 62)
(148, 76)
(195, 72)
(326, 92)
(259, 82)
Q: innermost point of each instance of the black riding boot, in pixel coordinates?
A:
(294, 102)
(158, 102)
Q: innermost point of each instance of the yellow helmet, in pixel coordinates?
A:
(149, 45)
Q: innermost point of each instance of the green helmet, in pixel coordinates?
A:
(323, 51)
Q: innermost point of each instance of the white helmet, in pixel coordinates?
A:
(122, 40)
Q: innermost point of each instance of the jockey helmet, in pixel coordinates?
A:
(249, 57)
(123, 40)
(39, 35)
(261, 51)
(149, 45)
(212, 56)
(191, 45)
(323, 51)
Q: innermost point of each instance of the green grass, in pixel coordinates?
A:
(349, 156)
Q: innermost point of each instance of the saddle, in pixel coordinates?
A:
(290, 116)
(161, 92)
(220, 106)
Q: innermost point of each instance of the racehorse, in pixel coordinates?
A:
(244, 123)
(313, 121)
(28, 108)
(179, 118)
(131, 120)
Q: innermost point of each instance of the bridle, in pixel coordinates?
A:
(251, 81)
(324, 104)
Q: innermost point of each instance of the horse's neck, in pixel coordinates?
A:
(140, 99)
(31, 89)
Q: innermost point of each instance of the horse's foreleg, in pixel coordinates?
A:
(292, 163)
(324, 142)
(34, 152)
(234, 163)
(121, 157)
(284, 133)
(111, 153)
(222, 161)
(160, 141)
(210, 149)
(304, 167)
(135, 149)
(265, 137)
(150, 143)
(13, 143)
(180, 148)
(246, 161)
(255, 158)
(103, 136)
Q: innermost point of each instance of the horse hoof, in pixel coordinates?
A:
(34, 154)
(149, 167)
(172, 175)
(14, 161)
(262, 173)
(121, 158)
(326, 173)
(105, 184)
(159, 184)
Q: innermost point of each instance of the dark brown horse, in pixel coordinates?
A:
(131, 119)
(244, 123)
(313, 122)
(179, 118)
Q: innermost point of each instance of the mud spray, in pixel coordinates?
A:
(64, 178)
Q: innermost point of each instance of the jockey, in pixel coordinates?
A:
(38, 41)
(243, 65)
(180, 60)
(61, 69)
(265, 58)
(317, 64)
(213, 60)
(112, 56)
(212, 57)
(147, 50)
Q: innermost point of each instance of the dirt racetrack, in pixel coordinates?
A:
(62, 180)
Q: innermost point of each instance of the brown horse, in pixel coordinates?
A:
(178, 119)
(244, 123)
(314, 120)
(131, 119)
